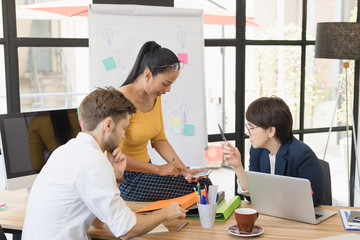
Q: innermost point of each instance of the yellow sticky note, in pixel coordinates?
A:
(175, 122)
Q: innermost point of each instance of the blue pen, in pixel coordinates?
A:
(217, 197)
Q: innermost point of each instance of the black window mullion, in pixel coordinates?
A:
(11, 57)
(353, 159)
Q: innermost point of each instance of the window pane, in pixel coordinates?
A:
(52, 19)
(220, 88)
(3, 102)
(218, 15)
(274, 70)
(275, 20)
(321, 91)
(53, 78)
(336, 156)
(335, 11)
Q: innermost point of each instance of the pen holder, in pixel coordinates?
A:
(207, 214)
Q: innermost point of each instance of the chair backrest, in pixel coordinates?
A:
(2, 234)
(327, 180)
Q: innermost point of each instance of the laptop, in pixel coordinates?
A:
(284, 197)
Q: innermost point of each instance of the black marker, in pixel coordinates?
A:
(222, 133)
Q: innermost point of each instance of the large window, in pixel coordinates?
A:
(274, 55)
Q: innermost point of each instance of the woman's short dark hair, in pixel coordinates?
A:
(151, 55)
(272, 111)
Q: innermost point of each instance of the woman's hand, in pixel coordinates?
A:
(169, 169)
(231, 154)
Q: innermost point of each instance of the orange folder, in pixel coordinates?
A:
(184, 201)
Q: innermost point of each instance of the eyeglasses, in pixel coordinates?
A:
(174, 67)
(250, 128)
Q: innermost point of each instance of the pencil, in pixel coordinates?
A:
(182, 226)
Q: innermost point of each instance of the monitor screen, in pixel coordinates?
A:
(28, 139)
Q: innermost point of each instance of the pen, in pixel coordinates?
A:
(222, 133)
(198, 187)
(182, 226)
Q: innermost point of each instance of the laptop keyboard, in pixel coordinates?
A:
(318, 215)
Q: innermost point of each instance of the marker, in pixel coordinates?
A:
(199, 192)
(182, 226)
(206, 195)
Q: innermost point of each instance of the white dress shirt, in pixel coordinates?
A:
(76, 184)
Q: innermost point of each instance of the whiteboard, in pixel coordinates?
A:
(117, 33)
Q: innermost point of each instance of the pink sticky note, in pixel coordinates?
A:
(183, 57)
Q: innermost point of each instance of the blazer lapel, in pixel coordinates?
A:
(281, 161)
(265, 164)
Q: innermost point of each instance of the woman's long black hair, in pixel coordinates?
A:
(151, 55)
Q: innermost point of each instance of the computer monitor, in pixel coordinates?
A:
(28, 139)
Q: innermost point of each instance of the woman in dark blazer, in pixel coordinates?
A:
(274, 148)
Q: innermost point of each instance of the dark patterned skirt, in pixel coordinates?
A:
(149, 187)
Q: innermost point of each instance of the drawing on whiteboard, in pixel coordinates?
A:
(121, 63)
(179, 110)
(184, 110)
(181, 37)
(108, 36)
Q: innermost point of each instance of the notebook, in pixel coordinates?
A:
(284, 197)
(223, 211)
(184, 201)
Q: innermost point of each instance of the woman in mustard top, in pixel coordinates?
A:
(152, 75)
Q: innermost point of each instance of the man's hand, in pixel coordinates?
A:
(173, 211)
(118, 161)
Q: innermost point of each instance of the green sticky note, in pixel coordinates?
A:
(176, 129)
(109, 63)
(175, 122)
(189, 129)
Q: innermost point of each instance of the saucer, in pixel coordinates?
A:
(234, 230)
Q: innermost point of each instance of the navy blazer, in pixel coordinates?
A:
(294, 159)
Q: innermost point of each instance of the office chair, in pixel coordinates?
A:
(327, 180)
(2, 234)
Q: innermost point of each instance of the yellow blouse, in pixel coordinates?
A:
(142, 128)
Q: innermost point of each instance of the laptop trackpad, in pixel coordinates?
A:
(322, 214)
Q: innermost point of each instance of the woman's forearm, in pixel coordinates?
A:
(133, 164)
(168, 153)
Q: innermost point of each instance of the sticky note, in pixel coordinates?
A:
(175, 122)
(109, 63)
(176, 129)
(189, 129)
(183, 57)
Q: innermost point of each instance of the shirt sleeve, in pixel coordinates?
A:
(96, 186)
(242, 191)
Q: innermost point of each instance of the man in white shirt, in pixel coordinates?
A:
(79, 183)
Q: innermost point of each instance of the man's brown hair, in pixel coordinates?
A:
(102, 103)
